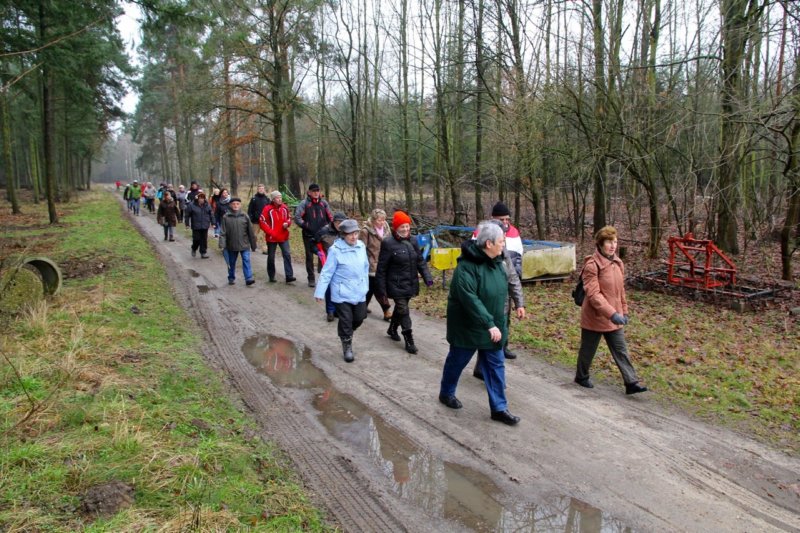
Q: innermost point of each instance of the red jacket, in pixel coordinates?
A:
(271, 222)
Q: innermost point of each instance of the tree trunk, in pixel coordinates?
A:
(790, 232)
(276, 92)
(480, 84)
(291, 111)
(230, 133)
(738, 16)
(322, 129)
(164, 153)
(599, 169)
(407, 183)
(8, 154)
(47, 124)
(36, 179)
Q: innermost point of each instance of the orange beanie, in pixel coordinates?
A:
(399, 219)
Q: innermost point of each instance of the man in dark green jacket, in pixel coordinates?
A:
(237, 237)
(476, 320)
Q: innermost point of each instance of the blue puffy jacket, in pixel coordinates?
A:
(346, 270)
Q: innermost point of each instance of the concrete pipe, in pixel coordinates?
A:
(51, 274)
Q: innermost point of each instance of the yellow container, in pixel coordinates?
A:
(444, 258)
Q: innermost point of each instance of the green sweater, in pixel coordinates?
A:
(477, 298)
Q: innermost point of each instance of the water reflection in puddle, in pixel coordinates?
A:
(442, 488)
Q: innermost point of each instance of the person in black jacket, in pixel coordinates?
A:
(254, 209)
(399, 265)
(323, 240)
(221, 206)
(311, 215)
(198, 217)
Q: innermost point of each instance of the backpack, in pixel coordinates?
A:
(579, 293)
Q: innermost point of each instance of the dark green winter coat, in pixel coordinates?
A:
(477, 299)
(237, 233)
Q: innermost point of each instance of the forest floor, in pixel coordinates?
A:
(372, 442)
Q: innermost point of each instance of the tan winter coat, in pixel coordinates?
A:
(604, 282)
(372, 240)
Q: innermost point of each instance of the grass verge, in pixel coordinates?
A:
(104, 387)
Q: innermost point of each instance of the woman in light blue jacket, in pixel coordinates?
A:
(346, 271)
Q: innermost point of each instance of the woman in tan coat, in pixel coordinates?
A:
(605, 311)
(372, 234)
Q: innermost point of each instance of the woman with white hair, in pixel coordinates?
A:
(346, 271)
(476, 320)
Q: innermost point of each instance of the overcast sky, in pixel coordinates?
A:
(128, 26)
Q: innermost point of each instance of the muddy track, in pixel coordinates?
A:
(595, 457)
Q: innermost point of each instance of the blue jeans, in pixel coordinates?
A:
(287, 259)
(493, 366)
(135, 204)
(230, 259)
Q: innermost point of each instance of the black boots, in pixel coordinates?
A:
(392, 331)
(409, 338)
(347, 349)
(505, 417)
(634, 388)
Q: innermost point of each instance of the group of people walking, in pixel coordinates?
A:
(381, 259)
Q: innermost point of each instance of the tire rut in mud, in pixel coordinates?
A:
(338, 486)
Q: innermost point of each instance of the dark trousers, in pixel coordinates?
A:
(402, 313)
(287, 259)
(616, 345)
(350, 317)
(384, 302)
(330, 307)
(311, 252)
(150, 203)
(200, 240)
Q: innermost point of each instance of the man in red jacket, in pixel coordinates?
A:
(274, 221)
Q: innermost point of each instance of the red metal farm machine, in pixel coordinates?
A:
(697, 269)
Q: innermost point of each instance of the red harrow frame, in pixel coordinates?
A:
(697, 269)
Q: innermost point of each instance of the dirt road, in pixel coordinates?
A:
(381, 454)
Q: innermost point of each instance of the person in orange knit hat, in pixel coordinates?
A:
(400, 264)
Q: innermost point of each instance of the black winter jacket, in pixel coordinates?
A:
(198, 216)
(326, 236)
(311, 215)
(399, 263)
(256, 206)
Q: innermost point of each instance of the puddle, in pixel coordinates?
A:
(442, 488)
(195, 274)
